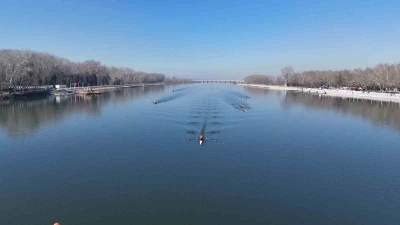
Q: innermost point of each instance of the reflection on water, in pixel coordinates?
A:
(378, 113)
(24, 117)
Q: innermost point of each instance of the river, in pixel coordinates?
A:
(116, 158)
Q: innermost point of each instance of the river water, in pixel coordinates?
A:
(116, 158)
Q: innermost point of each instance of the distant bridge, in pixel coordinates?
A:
(218, 81)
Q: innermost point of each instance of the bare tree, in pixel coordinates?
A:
(2, 76)
(21, 67)
(383, 77)
(260, 79)
(287, 74)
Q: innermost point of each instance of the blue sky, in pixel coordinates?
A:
(208, 39)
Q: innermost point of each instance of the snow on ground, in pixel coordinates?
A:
(334, 92)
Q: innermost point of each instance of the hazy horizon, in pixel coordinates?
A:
(208, 39)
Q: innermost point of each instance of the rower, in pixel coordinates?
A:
(155, 102)
(201, 138)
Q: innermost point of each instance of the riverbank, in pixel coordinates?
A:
(3, 96)
(100, 89)
(272, 87)
(376, 96)
(105, 88)
(24, 93)
(28, 93)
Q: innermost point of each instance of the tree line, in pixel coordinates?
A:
(177, 80)
(30, 68)
(262, 79)
(382, 77)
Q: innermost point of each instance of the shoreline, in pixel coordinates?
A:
(375, 96)
(105, 88)
(77, 90)
(272, 87)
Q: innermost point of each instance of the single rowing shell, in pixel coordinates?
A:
(201, 142)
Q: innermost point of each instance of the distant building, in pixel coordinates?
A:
(58, 86)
